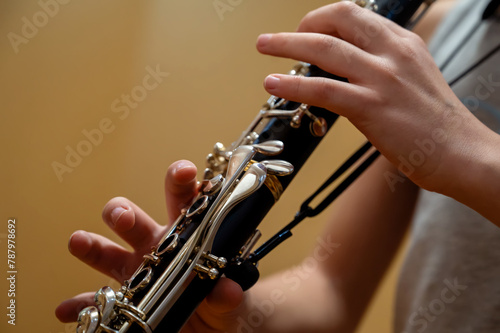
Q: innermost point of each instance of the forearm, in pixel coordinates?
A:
(331, 289)
(301, 299)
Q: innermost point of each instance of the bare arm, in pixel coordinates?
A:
(348, 263)
(352, 255)
(368, 224)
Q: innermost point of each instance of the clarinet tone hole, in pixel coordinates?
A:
(141, 279)
(168, 245)
(198, 206)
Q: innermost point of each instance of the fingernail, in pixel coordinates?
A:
(181, 165)
(116, 214)
(263, 39)
(271, 82)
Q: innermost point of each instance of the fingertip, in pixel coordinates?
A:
(182, 172)
(122, 218)
(181, 178)
(263, 40)
(180, 186)
(79, 243)
(118, 214)
(272, 82)
(62, 313)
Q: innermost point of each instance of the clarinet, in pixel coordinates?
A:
(215, 236)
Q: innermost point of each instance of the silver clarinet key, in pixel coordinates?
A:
(105, 299)
(278, 167)
(89, 320)
(269, 148)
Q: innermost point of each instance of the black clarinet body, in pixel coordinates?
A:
(215, 235)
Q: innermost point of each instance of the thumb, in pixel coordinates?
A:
(226, 296)
(221, 308)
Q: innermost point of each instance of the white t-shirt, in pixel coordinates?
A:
(450, 281)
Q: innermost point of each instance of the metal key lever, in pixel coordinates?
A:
(249, 183)
(237, 185)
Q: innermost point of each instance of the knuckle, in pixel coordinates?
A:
(338, 9)
(346, 8)
(296, 85)
(324, 90)
(349, 10)
(325, 44)
(389, 72)
(304, 23)
(417, 40)
(376, 101)
(410, 48)
(407, 52)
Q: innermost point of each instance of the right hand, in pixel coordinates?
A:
(396, 95)
(217, 313)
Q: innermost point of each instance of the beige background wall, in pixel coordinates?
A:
(62, 78)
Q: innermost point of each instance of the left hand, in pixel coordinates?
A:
(217, 313)
(396, 95)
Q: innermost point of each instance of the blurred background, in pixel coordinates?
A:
(66, 68)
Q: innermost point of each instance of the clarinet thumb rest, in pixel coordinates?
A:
(244, 273)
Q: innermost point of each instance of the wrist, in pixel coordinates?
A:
(472, 175)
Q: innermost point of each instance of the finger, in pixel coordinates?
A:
(226, 296)
(102, 254)
(132, 224)
(68, 310)
(356, 25)
(329, 53)
(180, 187)
(219, 310)
(343, 98)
